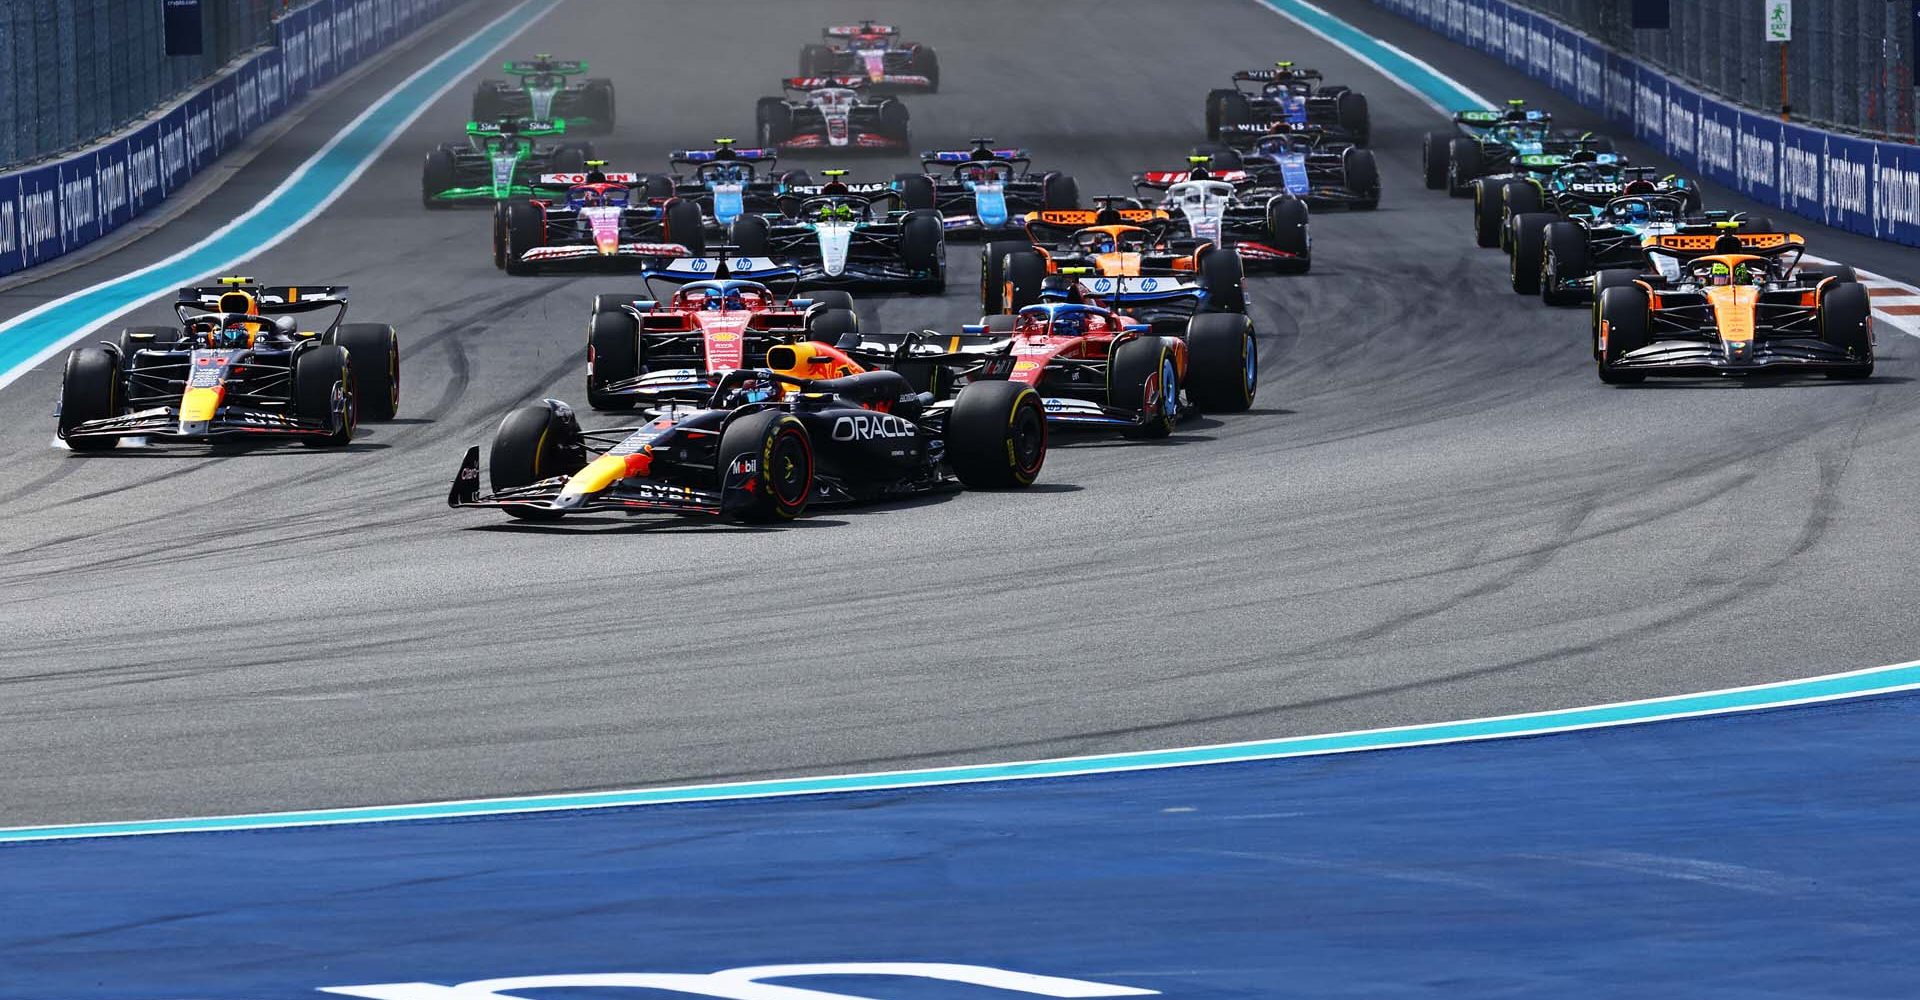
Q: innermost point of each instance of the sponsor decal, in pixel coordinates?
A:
(173, 153)
(111, 190)
(1650, 107)
(1799, 175)
(1716, 145)
(1896, 196)
(199, 133)
(9, 231)
(867, 427)
(1680, 127)
(1757, 164)
(39, 222)
(1846, 184)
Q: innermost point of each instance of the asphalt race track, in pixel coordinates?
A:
(1436, 511)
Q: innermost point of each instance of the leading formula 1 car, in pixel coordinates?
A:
(845, 236)
(830, 112)
(874, 52)
(1721, 300)
(764, 446)
(985, 191)
(540, 91)
(498, 161)
(238, 366)
(1291, 95)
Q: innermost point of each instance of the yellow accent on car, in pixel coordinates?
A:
(197, 405)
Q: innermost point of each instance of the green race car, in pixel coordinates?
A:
(499, 160)
(540, 91)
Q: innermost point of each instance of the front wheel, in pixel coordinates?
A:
(323, 392)
(1622, 329)
(1844, 323)
(374, 350)
(1142, 374)
(993, 273)
(525, 229)
(613, 355)
(1223, 364)
(997, 435)
(533, 443)
(1527, 238)
(766, 467)
(90, 390)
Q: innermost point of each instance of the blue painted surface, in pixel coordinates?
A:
(1438, 88)
(1754, 855)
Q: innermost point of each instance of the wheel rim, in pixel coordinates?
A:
(789, 471)
(1253, 364)
(1028, 435)
(1169, 390)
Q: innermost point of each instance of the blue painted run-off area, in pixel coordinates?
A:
(1753, 855)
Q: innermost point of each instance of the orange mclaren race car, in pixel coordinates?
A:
(1127, 258)
(1721, 302)
(238, 366)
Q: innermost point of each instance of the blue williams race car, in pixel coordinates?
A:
(1290, 95)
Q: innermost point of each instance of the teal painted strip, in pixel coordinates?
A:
(1437, 87)
(1877, 681)
(322, 178)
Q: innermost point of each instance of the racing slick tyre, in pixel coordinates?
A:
(1844, 272)
(596, 101)
(748, 235)
(997, 435)
(833, 298)
(1288, 230)
(436, 176)
(993, 273)
(827, 326)
(1354, 116)
(1463, 166)
(776, 447)
(772, 122)
(1223, 364)
(532, 443)
(923, 248)
(1610, 277)
(1024, 272)
(1059, 191)
(1757, 224)
(90, 390)
(374, 351)
(654, 187)
(1225, 109)
(525, 228)
(1527, 235)
(916, 190)
(1564, 259)
(1334, 90)
(799, 178)
(926, 62)
(1622, 328)
(681, 223)
(571, 159)
(1433, 159)
(1516, 198)
(487, 104)
(1142, 374)
(613, 301)
(1363, 177)
(134, 338)
(318, 372)
(817, 60)
(1486, 213)
(1844, 308)
(613, 354)
(1220, 156)
(1223, 277)
(894, 122)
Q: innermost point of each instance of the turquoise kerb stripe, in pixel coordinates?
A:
(1882, 680)
(321, 179)
(1440, 89)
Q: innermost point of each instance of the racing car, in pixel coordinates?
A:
(984, 191)
(728, 182)
(767, 444)
(830, 112)
(641, 349)
(1288, 94)
(875, 53)
(1724, 300)
(1485, 143)
(1555, 255)
(1302, 160)
(540, 91)
(597, 220)
(844, 236)
(1093, 367)
(1580, 188)
(498, 161)
(237, 366)
(1121, 258)
(1266, 224)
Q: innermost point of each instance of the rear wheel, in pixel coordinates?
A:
(1527, 235)
(571, 159)
(926, 62)
(997, 435)
(531, 444)
(1486, 213)
(1433, 160)
(1354, 117)
(1363, 178)
(526, 228)
(830, 324)
(833, 298)
(613, 354)
(894, 121)
(1516, 198)
(374, 350)
(1463, 166)
(1025, 271)
(1226, 109)
(1844, 308)
(598, 101)
(1565, 261)
(993, 274)
(133, 339)
(748, 234)
(1142, 376)
(817, 60)
(1059, 191)
(767, 457)
(323, 392)
(1287, 230)
(773, 122)
(1844, 272)
(1622, 329)
(90, 390)
(436, 176)
(682, 223)
(1223, 365)
(1224, 279)
(916, 191)
(923, 249)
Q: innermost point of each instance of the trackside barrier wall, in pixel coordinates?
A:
(1860, 185)
(55, 208)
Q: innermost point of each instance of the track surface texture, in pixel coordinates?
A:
(1435, 512)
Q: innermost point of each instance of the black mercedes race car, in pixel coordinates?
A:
(985, 191)
(540, 91)
(767, 444)
(875, 53)
(237, 366)
(1290, 95)
(830, 113)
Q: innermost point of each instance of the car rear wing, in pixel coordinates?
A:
(535, 67)
(571, 179)
(1478, 118)
(754, 155)
(1160, 180)
(687, 268)
(516, 126)
(804, 84)
(270, 298)
(867, 189)
(1699, 241)
(856, 30)
(1278, 73)
(956, 156)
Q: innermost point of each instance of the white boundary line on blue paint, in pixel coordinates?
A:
(1443, 93)
(1781, 694)
(463, 54)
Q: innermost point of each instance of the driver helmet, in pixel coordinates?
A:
(1719, 274)
(712, 303)
(1636, 211)
(231, 334)
(831, 212)
(1744, 275)
(1069, 323)
(1102, 243)
(1639, 187)
(734, 302)
(590, 198)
